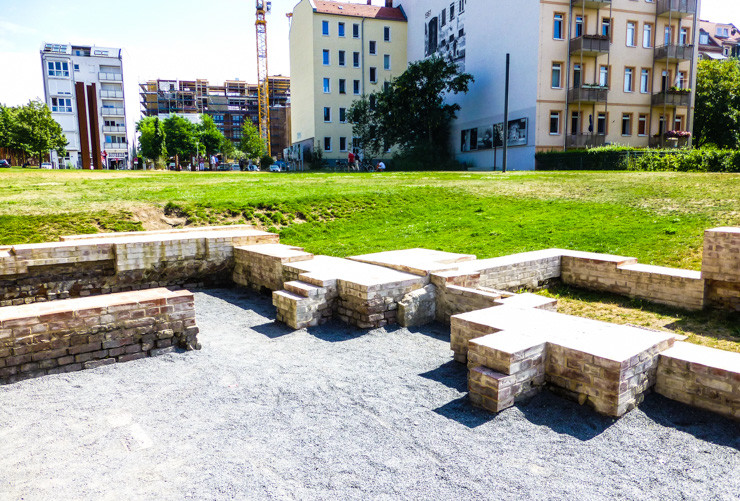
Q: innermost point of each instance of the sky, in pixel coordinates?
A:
(175, 39)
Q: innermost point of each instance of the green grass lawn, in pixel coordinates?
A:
(658, 218)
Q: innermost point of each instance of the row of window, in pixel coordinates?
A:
(356, 90)
(115, 139)
(556, 81)
(57, 68)
(643, 123)
(342, 115)
(558, 31)
(341, 31)
(61, 105)
(342, 59)
(343, 144)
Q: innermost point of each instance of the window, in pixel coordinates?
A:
(452, 11)
(556, 75)
(601, 124)
(443, 18)
(647, 35)
(342, 86)
(77, 67)
(631, 34)
(340, 29)
(575, 123)
(327, 144)
(327, 86)
(604, 76)
(668, 36)
(356, 59)
(576, 75)
(342, 115)
(373, 47)
(325, 28)
(340, 58)
(678, 122)
(557, 27)
(579, 26)
(683, 36)
(626, 124)
(645, 81)
(642, 128)
(628, 79)
(61, 105)
(386, 33)
(373, 75)
(387, 62)
(554, 122)
(355, 31)
(722, 31)
(461, 6)
(605, 25)
(342, 144)
(356, 87)
(58, 68)
(326, 58)
(115, 140)
(327, 114)
(704, 38)
(681, 80)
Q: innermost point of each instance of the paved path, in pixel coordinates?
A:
(336, 413)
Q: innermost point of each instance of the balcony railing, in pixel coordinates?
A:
(588, 94)
(584, 140)
(671, 98)
(589, 45)
(591, 4)
(674, 53)
(114, 128)
(115, 146)
(115, 112)
(680, 8)
(111, 94)
(110, 77)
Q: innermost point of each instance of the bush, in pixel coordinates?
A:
(425, 158)
(613, 157)
(266, 161)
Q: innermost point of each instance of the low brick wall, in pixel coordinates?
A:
(702, 377)
(623, 275)
(454, 299)
(721, 267)
(262, 266)
(83, 333)
(111, 263)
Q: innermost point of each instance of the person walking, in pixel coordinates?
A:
(350, 161)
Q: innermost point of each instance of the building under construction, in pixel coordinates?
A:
(230, 105)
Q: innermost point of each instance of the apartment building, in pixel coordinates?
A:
(83, 87)
(584, 73)
(230, 105)
(718, 40)
(339, 52)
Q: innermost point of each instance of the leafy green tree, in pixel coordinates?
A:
(211, 138)
(251, 143)
(412, 112)
(717, 111)
(7, 121)
(181, 137)
(152, 139)
(36, 132)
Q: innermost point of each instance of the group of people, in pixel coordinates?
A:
(354, 160)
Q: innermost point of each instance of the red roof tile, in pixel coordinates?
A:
(359, 10)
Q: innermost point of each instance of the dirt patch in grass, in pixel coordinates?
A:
(153, 217)
(717, 329)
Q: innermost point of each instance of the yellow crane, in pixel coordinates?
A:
(263, 82)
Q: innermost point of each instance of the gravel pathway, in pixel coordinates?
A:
(262, 412)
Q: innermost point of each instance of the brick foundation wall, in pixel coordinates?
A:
(721, 267)
(75, 334)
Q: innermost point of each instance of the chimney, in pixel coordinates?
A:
(389, 3)
(369, 2)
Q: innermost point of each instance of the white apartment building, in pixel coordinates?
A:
(83, 87)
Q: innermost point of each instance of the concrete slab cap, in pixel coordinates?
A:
(417, 261)
(703, 355)
(367, 275)
(280, 251)
(662, 270)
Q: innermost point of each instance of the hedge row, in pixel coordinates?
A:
(622, 158)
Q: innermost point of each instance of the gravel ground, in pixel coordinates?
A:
(336, 413)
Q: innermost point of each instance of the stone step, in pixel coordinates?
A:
(304, 289)
(508, 352)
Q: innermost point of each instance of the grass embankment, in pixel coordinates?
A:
(657, 217)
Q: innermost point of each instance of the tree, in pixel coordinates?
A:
(251, 143)
(717, 111)
(36, 132)
(152, 139)
(7, 123)
(181, 137)
(411, 112)
(211, 138)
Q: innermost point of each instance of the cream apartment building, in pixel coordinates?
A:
(584, 73)
(338, 53)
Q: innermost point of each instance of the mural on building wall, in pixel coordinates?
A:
(444, 33)
(492, 136)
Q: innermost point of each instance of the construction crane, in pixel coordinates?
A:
(263, 82)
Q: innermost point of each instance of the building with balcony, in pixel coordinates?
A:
(338, 53)
(83, 87)
(584, 73)
(229, 104)
(718, 40)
